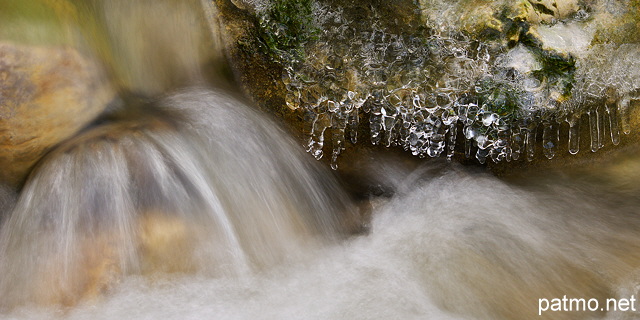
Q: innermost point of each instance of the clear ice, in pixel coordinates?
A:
(424, 92)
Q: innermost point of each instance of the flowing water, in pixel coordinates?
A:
(192, 205)
(443, 247)
(198, 183)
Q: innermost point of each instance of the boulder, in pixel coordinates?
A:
(47, 94)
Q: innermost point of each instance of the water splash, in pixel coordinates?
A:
(444, 245)
(201, 183)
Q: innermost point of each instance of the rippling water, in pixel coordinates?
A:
(452, 243)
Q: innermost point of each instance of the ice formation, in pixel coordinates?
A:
(422, 90)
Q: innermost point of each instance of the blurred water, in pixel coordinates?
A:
(200, 183)
(194, 206)
(444, 247)
(153, 46)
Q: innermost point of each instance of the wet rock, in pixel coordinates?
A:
(46, 95)
(477, 81)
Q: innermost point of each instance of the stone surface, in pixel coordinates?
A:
(564, 30)
(47, 94)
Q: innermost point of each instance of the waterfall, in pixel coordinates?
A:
(199, 182)
(151, 47)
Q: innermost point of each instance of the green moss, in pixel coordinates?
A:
(555, 64)
(557, 70)
(286, 27)
(499, 97)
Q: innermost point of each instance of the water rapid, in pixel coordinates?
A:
(200, 183)
(443, 247)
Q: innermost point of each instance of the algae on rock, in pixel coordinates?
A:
(497, 69)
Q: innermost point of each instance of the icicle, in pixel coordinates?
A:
(516, 143)
(497, 155)
(472, 112)
(376, 119)
(508, 154)
(481, 155)
(415, 140)
(436, 145)
(316, 142)
(388, 124)
(468, 146)
(549, 139)
(375, 124)
(593, 130)
(398, 82)
(339, 125)
(483, 141)
(601, 127)
(623, 113)
(530, 141)
(451, 143)
(353, 126)
(334, 159)
(405, 133)
(614, 128)
(574, 135)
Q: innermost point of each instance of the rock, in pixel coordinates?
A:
(522, 64)
(47, 94)
(474, 16)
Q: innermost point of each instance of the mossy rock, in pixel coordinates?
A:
(506, 23)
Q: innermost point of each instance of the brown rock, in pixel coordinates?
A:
(46, 95)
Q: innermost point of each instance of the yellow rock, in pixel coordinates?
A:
(47, 94)
(476, 16)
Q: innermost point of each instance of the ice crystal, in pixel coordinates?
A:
(421, 91)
